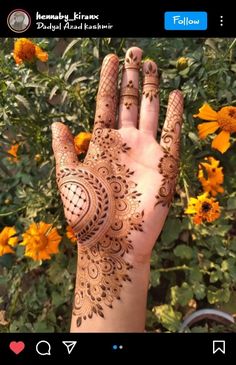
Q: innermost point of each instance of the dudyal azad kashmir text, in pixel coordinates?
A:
(66, 21)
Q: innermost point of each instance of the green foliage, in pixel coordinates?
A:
(190, 264)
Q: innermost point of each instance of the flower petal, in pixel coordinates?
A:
(207, 128)
(221, 142)
(206, 113)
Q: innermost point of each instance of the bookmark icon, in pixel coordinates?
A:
(69, 345)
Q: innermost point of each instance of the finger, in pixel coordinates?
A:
(149, 110)
(106, 105)
(172, 126)
(63, 146)
(129, 94)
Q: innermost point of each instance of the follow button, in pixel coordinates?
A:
(185, 20)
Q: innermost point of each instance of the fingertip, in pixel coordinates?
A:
(133, 58)
(135, 50)
(149, 66)
(176, 94)
(111, 59)
(60, 130)
(54, 127)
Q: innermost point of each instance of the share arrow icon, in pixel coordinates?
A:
(69, 345)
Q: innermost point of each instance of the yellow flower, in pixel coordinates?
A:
(41, 241)
(13, 152)
(8, 240)
(224, 119)
(82, 141)
(38, 157)
(182, 63)
(70, 234)
(26, 50)
(211, 176)
(203, 209)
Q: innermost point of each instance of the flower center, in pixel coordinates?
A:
(41, 241)
(232, 113)
(206, 207)
(4, 242)
(227, 119)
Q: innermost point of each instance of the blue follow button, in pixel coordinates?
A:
(185, 20)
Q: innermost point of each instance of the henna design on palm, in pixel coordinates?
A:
(105, 197)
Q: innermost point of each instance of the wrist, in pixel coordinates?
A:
(125, 312)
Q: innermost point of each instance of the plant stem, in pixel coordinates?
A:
(175, 268)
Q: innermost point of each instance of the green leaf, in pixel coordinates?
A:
(195, 274)
(70, 45)
(43, 326)
(218, 295)
(53, 91)
(22, 100)
(57, 299)
(231, 203)
(199, 290)
(215, 276)
(96, 52)
(71, 69)
(181, 295)
(155, 278)
(171, 231)
(169, 318)
(230, 266)
(183, 251)
(232, 245)
(154, 258)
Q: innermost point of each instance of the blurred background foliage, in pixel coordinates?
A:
(192, 267)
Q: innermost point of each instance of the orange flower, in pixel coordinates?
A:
(225, 119)
(211, 176)
(70, 234)
(203, 209)
(41, 241)
(8, 240)
(82, 141)
(13, 152)
(25, 50)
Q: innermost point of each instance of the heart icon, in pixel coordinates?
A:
(17, 347)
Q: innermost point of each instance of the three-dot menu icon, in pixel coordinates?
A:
(221, 20)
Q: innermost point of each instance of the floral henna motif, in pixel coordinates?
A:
(129, 95)
(168, 166)
(132, 61)
(150, 81)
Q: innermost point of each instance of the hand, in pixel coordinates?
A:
(118, 199)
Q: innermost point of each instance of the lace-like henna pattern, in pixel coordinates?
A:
(107, 93)
(169, 164)
(150, 81)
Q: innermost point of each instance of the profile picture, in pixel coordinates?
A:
(18, 21)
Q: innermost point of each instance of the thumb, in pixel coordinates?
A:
(63, 146)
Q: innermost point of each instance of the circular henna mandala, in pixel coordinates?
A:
(88, 205)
